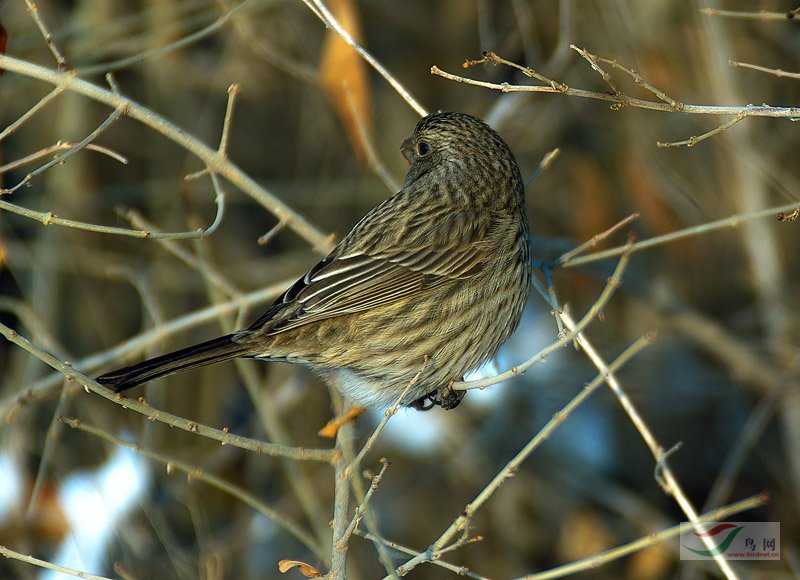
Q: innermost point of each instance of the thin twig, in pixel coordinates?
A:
(748, 15)
(321, 11)
(141, 406)
(49, 218)
(362, 507)
(595, 561)
(773, 71)
(300, 483)
(209, 156)
(596, 239)
(661, 465)
(143, 340)
(388, 414)
(695, 139)
(61, 158)
(551, 297)
(494, 58)
(59, 146)
(265, 239)
(31, 112)
(214, 276)
(459, 570)
(353, 465)
(641, 81)
(219, 201)
(33, 10)
(729, 222)
(233, 92)
(548, 159)
(9, 553)
(622, 99)
(222, 148)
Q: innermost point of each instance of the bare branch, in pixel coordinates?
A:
(670, 482)
(209, 156)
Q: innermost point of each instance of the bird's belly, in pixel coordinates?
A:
(430, 341)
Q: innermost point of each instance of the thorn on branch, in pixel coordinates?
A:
(661, 467)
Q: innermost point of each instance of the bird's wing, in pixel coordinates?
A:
(375, 268)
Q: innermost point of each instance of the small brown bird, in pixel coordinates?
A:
(432, 281)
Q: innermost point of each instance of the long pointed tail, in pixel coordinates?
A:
(212, 351)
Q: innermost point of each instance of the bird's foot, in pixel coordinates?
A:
(449, 398)
(446, 398)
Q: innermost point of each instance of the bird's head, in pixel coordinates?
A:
(448, 146)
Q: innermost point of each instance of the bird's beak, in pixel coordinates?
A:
(408, 149)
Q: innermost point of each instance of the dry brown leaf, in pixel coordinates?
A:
(306, 570)
(332, 428)
(343, 77)
(46, 524)
(3, 42)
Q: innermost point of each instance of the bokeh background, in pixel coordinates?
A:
(722, 378)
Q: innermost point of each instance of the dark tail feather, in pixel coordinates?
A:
(212, 351)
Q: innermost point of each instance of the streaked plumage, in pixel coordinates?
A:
(433, 280)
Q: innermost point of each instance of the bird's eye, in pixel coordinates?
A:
(423, 148)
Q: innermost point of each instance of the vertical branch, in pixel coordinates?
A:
(344, 438)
